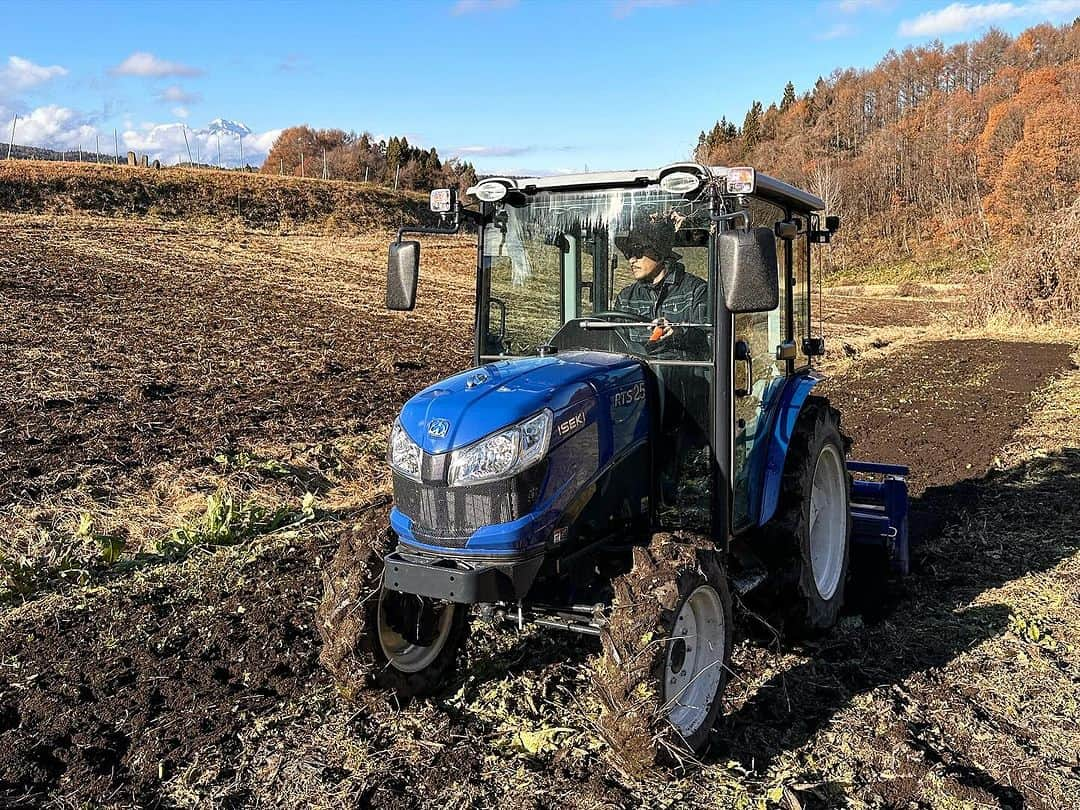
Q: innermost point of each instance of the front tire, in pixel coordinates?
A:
(666, 653)
(810, 535)
(375, 637)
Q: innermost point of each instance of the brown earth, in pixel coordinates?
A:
(125, 352)
(194, 681)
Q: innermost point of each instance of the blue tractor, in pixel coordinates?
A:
(633, 444)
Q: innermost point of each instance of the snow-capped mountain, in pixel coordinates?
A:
(222, 126)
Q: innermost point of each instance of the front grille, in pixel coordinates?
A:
(448, 516)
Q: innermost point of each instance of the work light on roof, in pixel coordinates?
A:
(740, 180)
(441, 200)
(680, 182)
(491, 191)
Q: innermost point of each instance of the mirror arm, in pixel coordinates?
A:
(728, 217)
(455, 224)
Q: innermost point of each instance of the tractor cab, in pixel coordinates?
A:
(558, 276)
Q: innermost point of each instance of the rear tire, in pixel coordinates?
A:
(375, 637)
(666, 653)
(809, 538)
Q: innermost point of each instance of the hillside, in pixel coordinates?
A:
(262, 202)
(937, 159)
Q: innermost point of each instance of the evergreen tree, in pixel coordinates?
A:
(789, 97)
(751, 128)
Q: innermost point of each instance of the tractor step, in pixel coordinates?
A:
(879, 509)
(748, 580)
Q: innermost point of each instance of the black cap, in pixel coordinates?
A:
(652, 238)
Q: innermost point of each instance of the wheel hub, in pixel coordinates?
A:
(413, 630)
(695, 659)
(828, 521)
(414, 618)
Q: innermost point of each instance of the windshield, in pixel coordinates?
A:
(623, 270)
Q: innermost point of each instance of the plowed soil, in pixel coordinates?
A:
(124, 349)
(194, 681)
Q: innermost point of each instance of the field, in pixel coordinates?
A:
(191, 418)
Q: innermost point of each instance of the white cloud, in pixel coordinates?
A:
(490, 151)
(624, 8)
(837, 31)
(960, 17)
(165, 142)
(55, 127)
(474, 6)
(501, 151)
(178, 95)
(142, 63)
(180, 112)
(855, 6)
(22, 74)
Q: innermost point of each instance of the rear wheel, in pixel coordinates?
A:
(810, 535)
(373, 636)
(666, 653)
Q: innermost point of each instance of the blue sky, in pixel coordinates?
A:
(512, 85)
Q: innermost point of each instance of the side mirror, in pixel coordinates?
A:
(748, 270)
(402, 275)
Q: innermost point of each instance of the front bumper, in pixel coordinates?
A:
(457, 580)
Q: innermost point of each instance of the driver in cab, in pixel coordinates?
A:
(663, 293)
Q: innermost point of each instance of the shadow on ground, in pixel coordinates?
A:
(972, 536)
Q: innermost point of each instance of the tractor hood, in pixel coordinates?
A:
(462, 409)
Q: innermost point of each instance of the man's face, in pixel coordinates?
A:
(644, 268)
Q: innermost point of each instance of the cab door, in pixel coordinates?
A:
(758, 377)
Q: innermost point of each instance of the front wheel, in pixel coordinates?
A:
(376, 637)
(666, 653)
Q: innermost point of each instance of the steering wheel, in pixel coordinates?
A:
(573, 335)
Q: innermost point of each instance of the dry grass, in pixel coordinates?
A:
(1036, 281)
(204, 197)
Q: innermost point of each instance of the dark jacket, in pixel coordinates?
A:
(681, 298)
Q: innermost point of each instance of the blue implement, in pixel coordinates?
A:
(879, 509)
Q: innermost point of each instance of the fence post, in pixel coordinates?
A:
(281, 166)
(97, 148)
(186, 144)
(12, 141)
(241, 139)
(397, 176)
(302, 165)
(219, 150)
(324, 175)
(116, 147)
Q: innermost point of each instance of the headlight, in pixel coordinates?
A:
(504, 454)
(404, 453)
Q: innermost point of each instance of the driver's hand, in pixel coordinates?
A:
(662, 330)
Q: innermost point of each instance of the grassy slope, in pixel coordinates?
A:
(212, 198)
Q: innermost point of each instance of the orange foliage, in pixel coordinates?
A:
(935, 152)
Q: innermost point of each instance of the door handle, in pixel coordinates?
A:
(742, 354)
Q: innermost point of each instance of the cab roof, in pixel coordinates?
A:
(765, 186)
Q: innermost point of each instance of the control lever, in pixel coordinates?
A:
(742, 353)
